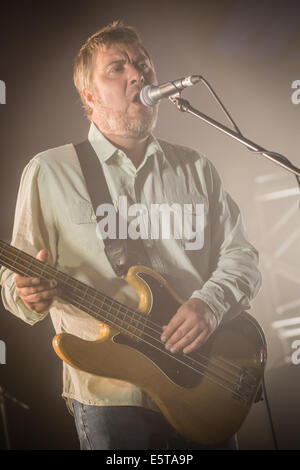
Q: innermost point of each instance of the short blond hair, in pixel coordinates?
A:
(114, 33)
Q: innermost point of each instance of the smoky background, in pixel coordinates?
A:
(249, 53)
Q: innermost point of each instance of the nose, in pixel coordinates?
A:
(135, 75)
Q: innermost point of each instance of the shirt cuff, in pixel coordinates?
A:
(14, 304)
(32, 316)
(216, 307)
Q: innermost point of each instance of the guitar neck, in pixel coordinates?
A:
(86, 298)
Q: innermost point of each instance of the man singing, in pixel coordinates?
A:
(55, 222)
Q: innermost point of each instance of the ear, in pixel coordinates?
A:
(89, 98)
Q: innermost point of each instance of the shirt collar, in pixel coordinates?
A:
(105, 149)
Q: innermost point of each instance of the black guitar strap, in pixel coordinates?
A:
(121, 253)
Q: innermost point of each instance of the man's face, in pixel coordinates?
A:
(121, 71)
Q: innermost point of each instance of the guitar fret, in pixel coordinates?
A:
(92, 302)
(124, 317)
(144, 322)
(85, 297)
(76, 286)
(102, 303)
(131, 327)
(138, 322)
(28, 267)
(85, 292)
(118, 311)
(121, 320)
(42, 270)
(16, 259)
(111, 302)
(61, 277)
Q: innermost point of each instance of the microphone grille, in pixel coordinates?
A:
(145, 96)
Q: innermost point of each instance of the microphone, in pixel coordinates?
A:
(150, 94)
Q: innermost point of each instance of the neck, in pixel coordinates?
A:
(134, 148)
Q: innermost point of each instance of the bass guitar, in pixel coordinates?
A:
(206, 395)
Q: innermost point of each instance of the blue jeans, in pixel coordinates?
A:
(131, 428)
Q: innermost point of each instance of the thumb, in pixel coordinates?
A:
(43, 255)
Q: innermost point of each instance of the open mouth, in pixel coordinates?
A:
(136, 98)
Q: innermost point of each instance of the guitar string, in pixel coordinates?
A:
(171, 356)
(87, 287)
(229, 387)
(215, 372)
(164, 351)
(68, 296)
(142, 318)
(112, 301)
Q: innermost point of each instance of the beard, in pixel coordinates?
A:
(135, 122)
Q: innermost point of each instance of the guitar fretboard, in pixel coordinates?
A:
(86, 298)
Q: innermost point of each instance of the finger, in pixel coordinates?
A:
(22, 281)
(44, 285)
(178, 335)
(199, 341)
(183, 338)
(44, 295)
(172, 326)
(40, 307)
(190, 322)
(43, 255)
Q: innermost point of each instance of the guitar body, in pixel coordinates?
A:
(207, 399)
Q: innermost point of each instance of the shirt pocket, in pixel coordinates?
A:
(82, 212)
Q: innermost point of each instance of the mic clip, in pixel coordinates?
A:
(175, 98)
(178, 101)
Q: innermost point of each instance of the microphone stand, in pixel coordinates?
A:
(4, 395)
(184, 106)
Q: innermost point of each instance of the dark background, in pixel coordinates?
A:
(249, 52)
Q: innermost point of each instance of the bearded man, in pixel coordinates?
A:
(55, 222)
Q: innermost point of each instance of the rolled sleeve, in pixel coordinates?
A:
(13, 303)
(31, 233)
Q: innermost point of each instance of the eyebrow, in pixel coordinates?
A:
(118, 61)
